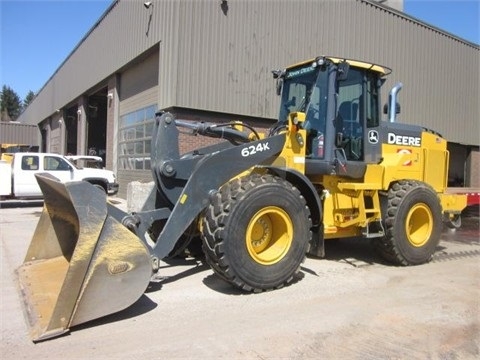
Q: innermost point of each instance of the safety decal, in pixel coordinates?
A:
(406, 152)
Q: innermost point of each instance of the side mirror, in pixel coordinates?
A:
(279, 86)
(278, 75)
(343, 68)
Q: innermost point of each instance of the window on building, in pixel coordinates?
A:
(135, 134)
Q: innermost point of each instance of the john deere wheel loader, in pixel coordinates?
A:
(330, 168)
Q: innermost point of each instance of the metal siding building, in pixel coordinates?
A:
(215, 58)
(18, 133)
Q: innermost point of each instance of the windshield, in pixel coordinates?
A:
(299, 90)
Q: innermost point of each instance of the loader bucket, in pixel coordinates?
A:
(81, 264)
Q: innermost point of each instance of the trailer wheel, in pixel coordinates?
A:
(453, 221)
(256, 232)
(413, 223)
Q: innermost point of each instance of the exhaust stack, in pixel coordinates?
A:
(392, 106)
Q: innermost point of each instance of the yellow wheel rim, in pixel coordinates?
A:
(269, 235)
(419, 225)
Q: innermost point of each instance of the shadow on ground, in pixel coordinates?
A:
(9, 204)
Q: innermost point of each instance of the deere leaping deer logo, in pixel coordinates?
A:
(373, 137)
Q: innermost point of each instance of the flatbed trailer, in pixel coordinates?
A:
(473, 194)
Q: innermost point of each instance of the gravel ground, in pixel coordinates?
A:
(350, 305)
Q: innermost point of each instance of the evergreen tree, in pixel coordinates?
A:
(28, 99)
(10, 104)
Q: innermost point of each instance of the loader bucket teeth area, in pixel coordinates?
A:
(81, 263)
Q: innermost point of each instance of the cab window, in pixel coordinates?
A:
(52, 163)
(350, 114)
(372, 109)
(30, 163)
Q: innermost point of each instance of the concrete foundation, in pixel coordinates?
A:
(139, 194)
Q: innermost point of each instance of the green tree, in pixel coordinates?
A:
(28, 99)
(10, 104)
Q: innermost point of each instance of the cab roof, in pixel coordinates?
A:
(354, 63)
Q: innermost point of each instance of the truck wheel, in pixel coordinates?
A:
(256, 232)
(413, 223)
(101, 187)
(98, 184)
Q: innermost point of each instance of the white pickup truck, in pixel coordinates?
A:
(17, 180)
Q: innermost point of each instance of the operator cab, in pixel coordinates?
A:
(340, 100)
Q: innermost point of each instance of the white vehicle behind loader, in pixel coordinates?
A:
(17, 179)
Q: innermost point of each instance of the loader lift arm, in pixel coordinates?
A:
(185, 184)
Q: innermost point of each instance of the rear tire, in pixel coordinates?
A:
(413, 223)
(256, 232)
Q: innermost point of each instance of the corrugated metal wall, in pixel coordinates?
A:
(117, 39)
(17, 133)
(440, 73)
(219, 60)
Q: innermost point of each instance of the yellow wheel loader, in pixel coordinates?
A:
(329, 168)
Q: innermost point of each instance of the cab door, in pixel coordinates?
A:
(350, 115)
(24, 181)
(372, 144)
(58, 167)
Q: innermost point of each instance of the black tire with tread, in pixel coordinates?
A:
(225, 224)
(395, 246)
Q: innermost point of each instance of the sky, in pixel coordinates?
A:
(38, 35)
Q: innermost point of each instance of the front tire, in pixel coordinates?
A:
(413, 222)
(256, 232)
